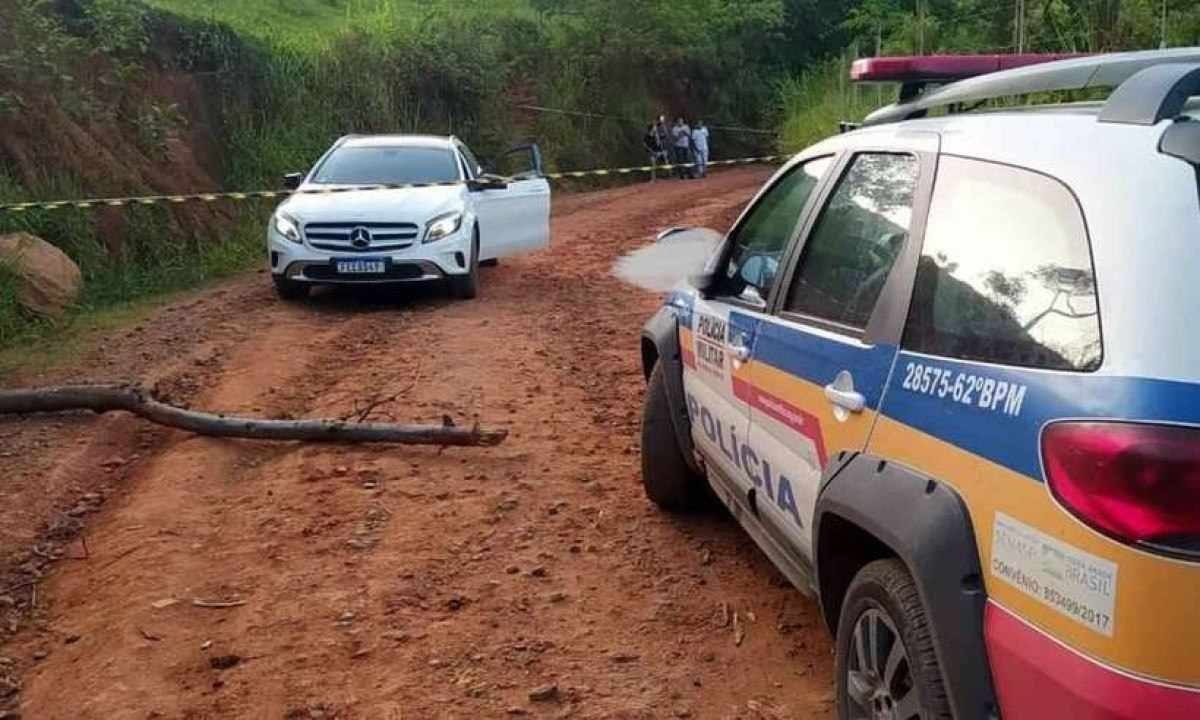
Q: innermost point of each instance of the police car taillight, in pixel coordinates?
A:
(1137, 483)
(941, 68)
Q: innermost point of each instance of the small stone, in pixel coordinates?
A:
(164, 603)
(557, 597)
(706, 557)
(538, 571)
(79, 511)
(622, 658)
(512, 569)
(544, 693)
(206, 644)
(71, 639)
(40, 654)
(456, 602)
(341, 470)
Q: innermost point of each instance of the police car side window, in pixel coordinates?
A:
(855, 242)
(1005, 274)
(762, 237)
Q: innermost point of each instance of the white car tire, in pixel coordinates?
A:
(466, 287)
(289, 289)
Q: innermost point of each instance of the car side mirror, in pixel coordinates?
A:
(709, 242)
(292, 181)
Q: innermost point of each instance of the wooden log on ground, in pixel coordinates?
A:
(112, 398)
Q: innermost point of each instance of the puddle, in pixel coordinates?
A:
(675, 255)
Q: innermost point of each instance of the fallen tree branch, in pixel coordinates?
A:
(111, 398)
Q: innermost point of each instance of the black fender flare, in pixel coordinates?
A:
(926, 524)
(660, 344)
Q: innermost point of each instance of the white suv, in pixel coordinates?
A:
(404, 208)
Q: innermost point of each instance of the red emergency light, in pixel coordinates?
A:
(942, 68)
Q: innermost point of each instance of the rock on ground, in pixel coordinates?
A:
(47, 280)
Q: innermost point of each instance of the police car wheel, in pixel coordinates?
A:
(466, 287)
(887, 668)
(666, 477)
(289, 289)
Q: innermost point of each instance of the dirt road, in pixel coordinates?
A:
(533, 579)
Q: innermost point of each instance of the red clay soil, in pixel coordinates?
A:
(533, 579)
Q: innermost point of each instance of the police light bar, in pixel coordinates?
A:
(921, 69)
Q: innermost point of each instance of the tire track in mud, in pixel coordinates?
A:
(408, 582)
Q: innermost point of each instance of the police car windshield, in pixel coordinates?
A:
(387, 166)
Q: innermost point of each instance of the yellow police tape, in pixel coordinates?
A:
(269, 194)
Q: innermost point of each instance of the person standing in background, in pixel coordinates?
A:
(655, 149)
(700, 148)
(681, 136)
(664, 135)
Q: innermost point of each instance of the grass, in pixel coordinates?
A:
(49, 346)
(302, 22)
(313, 26)
(814, 103)
(116, 291)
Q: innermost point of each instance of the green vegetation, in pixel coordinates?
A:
(817, 98)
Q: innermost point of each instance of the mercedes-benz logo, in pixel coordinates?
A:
(360, 237)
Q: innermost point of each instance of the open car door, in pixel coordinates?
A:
(515, 215)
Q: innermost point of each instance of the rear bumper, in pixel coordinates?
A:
(1038, 678)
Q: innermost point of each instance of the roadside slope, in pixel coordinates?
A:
(388, 583)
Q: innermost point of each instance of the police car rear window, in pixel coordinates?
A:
(1006, 273)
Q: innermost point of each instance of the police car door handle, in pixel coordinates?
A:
(845, 399)
(741, 352)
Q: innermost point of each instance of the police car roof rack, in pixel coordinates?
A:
(1150, 85)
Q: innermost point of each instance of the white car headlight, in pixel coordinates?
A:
(442, 226)
(287, 226)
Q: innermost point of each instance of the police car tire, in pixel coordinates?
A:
(886, 586)
(666, 477)
(466, 287)
(289, 289)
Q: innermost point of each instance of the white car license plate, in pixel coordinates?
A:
(360, 266)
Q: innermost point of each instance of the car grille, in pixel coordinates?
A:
(336, 236)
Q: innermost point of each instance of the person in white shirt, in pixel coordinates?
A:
(700, 148)
(681, 135)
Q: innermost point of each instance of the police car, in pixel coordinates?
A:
(405, 208)
(943, 371)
